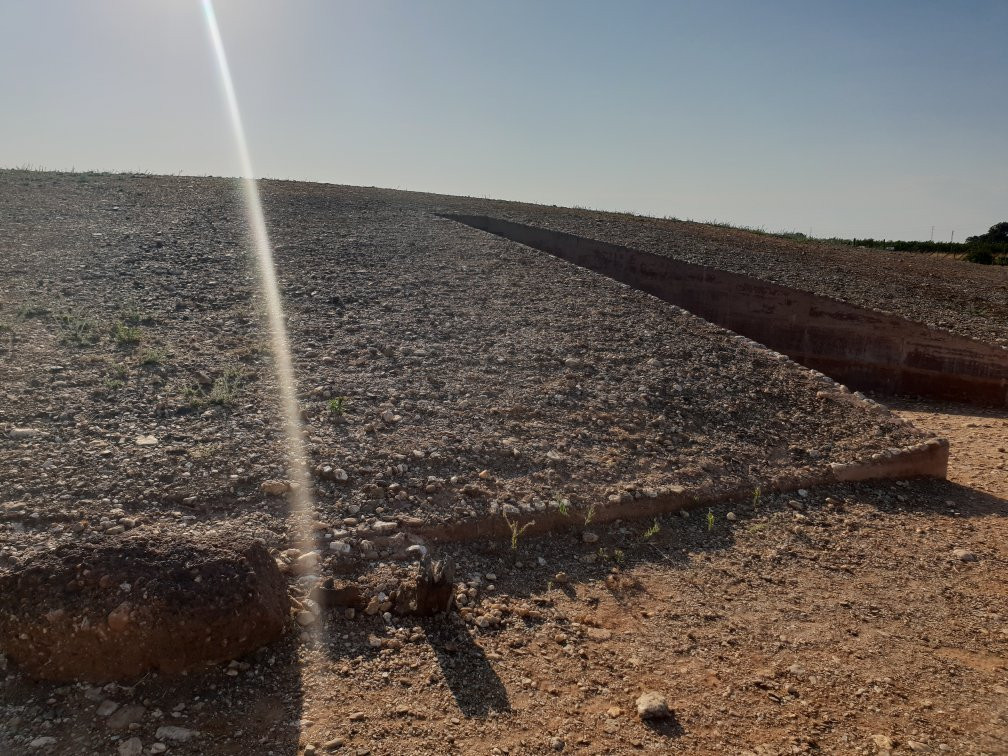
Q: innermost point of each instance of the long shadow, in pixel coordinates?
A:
(933, 496)
(628, 546)
(473, 683)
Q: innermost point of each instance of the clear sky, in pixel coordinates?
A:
(854, 118)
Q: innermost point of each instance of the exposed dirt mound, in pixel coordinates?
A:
(119, 608)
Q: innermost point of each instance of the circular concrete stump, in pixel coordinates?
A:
(116, 609)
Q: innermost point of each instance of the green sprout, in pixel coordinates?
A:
(226, 387)
(151, 357)
(125, 335)
(516, 530)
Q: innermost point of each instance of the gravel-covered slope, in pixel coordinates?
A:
(444, 373)
(964, 298)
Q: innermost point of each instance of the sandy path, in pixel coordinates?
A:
(978, 440)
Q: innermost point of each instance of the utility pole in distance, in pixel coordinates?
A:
(932, 233)
(952, 238)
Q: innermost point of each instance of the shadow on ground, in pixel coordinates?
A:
(474, 684)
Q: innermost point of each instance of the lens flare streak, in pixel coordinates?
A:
(300, 498)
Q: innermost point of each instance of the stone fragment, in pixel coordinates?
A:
(307, 563)
(173, 732)
(883, 742)
(118, 618)
(275, 487)
(416, 551)
(106, 707)
(125, 716)
(305, 618)
(652, 705)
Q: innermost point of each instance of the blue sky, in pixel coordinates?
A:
(853, 118)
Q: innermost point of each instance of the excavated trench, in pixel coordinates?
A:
(860, 347)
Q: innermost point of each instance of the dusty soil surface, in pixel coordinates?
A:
(860, 619)
(980, 438)
(855, 618)
(445, 373)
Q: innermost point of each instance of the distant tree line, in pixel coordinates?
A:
(987, 249)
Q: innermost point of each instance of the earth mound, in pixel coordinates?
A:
(115, 609)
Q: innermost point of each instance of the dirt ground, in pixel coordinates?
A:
(841, 622)
(448, 374)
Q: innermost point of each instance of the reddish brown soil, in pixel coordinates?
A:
(840, 628)
(121, 608)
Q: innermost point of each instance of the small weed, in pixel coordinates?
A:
(78, 331)
(113, 385)
(32, 311)
(226, 387)
(205, 452)
(756, 497)
(619, 556)
(590, 515)
(134, 317)
(193, 397)
(652, 531)
(516, 531)
(125, 335)
(561, 505)
(150, 357)
(759, 527)
(710, 520)
(337, 406)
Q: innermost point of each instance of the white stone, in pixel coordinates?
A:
(172, 732)
(306, 563)
(303, 618)
(340, 547)
(652, 705)
(106, 707)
